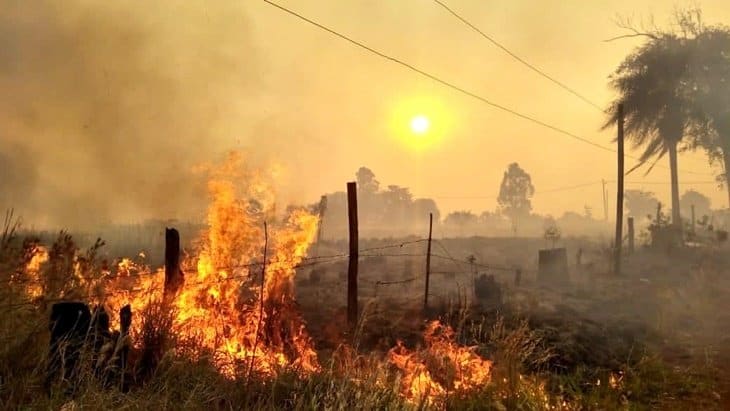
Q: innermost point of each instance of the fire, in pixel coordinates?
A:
(441, 367)
(246, 324)
(221, 304)
(34, 286)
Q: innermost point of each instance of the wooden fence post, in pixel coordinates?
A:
(125, 323)
(428, 262)
(173, 275)
(352, 310)
(619, 192)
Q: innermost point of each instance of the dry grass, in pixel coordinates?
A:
(525, 347)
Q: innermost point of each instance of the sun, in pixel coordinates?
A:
(420, 124)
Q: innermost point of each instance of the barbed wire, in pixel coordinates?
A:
(102, 296)
(148, 271)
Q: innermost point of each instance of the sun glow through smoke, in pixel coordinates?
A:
(420, 124)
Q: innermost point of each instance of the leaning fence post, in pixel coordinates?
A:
(125, 321)
(352, 266)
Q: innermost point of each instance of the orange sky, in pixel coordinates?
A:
(338, 101)
(110, 105)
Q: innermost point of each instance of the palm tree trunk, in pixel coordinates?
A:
(676, 217)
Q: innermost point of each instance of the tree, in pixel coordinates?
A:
(654, 90)
(366, 181)
(515, 193)
(711, 75)
(491, 221)
(370, 208)
(460, 220)
(396, 203)
(551, 231)
(640, 203)
(700, 202)
(422, 207)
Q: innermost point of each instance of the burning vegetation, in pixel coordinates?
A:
(233, 318)
(220, 303)
(441, 367)
(235, 302)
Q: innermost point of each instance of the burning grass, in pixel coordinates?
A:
(221, 315)
(233, 337)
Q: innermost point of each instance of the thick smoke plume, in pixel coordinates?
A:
(107, 106)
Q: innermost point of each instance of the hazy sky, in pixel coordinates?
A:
(347, 97)
(110, 104)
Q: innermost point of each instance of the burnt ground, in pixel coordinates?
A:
(673, 305)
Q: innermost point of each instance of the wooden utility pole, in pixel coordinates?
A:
(428, 262)
(352, 266)
(630, 222)
(173, 274)
(619, 192)
(693, 220)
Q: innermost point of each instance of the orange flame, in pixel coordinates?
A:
(34, 285)
(219, 304)
(441, 367)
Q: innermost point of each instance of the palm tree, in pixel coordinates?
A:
(653, 87)
(711, 73)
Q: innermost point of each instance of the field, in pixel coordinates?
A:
(655, 338)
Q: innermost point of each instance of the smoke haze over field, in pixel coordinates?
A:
(108, 106)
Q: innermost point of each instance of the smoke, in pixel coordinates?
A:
(107, 106)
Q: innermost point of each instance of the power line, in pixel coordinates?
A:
(668, 183)
(451, 85)
(573, 187)
(518, 58)
(437, 79)
(554, 190)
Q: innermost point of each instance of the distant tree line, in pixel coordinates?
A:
(392, 211)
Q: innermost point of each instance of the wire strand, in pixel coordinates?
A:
(454, 86)
(520, 59)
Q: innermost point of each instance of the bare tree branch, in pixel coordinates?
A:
(626, 36)
(627, 23)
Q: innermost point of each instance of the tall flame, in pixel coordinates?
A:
(220, 303)
(247, 324)
(34, 285)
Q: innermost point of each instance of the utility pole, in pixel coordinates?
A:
(352, 266)
(619, 192)
(428, 262)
